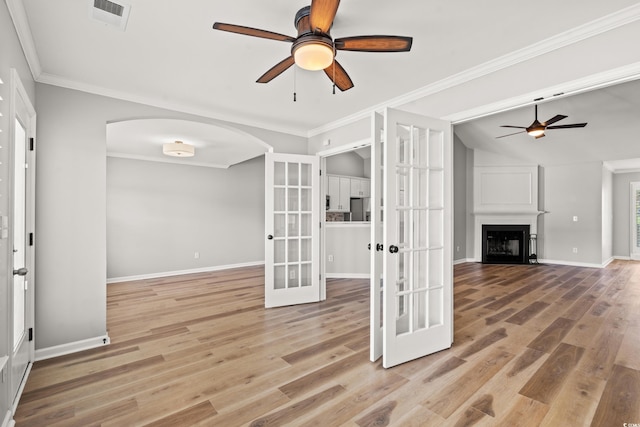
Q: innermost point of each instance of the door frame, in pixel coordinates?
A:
(18, 91)
(345, 148)
(633, 186)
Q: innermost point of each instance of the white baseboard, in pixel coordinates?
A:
(623, 258)
(463, 261)
(72, 347)
(181, 272)
(348, 275)
(8, 420)
(572, 263)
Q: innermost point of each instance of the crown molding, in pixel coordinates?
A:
(21, 24)
(54, 80)
(574, 35)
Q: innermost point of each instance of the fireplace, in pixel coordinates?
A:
(505, 244)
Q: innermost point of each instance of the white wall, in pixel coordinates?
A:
(71, 218)
(159, 215)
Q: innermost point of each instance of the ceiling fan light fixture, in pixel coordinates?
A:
(178, 149)
(315, 54)
(536, 131)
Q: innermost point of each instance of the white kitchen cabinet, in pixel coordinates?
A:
(360, 187)
(339, 191)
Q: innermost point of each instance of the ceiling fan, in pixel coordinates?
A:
(537, 129)
(314, 48)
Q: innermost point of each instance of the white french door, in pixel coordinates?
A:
(415, 208)
(292, 224)
(377, 174)
(635, 221)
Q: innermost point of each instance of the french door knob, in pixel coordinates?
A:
(393, 249)
(270, 237)
(20, 272)
(379, 247)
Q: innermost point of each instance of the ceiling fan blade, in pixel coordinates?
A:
(322, 14)
(374, 43)
(554, 119)
(276, 70)
(248, 31)
(575, 125)
(342, 79)
(509, 134)
(515, 127)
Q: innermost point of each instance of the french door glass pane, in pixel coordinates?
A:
(279, 177)
(305, 275)
(419, 214)
(637, 218)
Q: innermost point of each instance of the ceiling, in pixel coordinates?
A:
(612, 115)
(169, 56)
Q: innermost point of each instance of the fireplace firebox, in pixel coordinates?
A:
(505, 244)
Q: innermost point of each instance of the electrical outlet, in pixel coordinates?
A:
(330, 258)
(457, 248)
(196, 255)
(292, 274)
(575, 250)
(575, 219)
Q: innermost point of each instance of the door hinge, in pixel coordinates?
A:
(30, 239)
(32, 144)
(320, 170)
(30, 334)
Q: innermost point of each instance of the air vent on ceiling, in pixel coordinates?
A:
(109, 12)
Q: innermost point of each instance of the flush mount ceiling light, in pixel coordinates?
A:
(178, 149)
(314, 53)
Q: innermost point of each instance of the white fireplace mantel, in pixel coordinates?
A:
(529, 218)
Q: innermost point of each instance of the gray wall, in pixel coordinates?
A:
(573, 190)
(11, 56)
(72, 212)
(159, 215)
(621, 212)
(349, 164)
(459, 199)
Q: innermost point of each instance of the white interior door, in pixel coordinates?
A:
(377, 172)
(417, 236)
(292, 224)
(22, 224)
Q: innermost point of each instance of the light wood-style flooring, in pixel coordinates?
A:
(534, 345)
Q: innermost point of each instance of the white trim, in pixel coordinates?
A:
(166, 160)
(345, 148)
(8, 420)
(348, 275)
(574, 35)
(463, 261)
(574, 264)
(182, 272)
(21, 24)
(21, 388)
(72, 347)
(266, 124)
(622, 258)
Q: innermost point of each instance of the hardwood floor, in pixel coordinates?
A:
(534, 345)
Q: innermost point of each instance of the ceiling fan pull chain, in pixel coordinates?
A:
(334, 70)
(294, 84)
